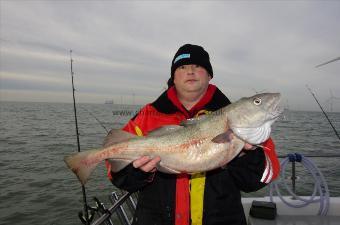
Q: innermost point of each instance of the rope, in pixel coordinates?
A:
(320, 192)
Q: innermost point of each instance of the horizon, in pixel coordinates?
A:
(141, 105)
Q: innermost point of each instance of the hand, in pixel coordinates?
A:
(146, 164)
(248, 146)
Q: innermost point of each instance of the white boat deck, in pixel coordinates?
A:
(296, 216)
(297, 220)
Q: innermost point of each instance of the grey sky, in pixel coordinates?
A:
(125, 48)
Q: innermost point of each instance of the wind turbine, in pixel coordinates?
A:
(331, 99)
(330, 61)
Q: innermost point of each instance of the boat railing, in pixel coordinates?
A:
(124, 203)
(123, 207)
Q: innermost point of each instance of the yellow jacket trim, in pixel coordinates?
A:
(197, 183)
(138, 131)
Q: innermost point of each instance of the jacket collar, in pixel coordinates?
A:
(172, 96)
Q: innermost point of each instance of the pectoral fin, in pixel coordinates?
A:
(224, 137)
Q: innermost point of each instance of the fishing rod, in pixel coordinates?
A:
(329, 121)
(100, 123)
(87, 219)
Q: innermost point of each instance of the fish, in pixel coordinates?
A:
(196, 145)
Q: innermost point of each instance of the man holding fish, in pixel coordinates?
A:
(211, 195)
(190, 152)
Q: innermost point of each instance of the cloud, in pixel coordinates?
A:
(125, 48)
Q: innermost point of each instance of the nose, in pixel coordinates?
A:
(190, 69)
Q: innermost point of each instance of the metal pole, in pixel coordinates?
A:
(293, 178)
(111, 209)
(120, 211)
(315, 156)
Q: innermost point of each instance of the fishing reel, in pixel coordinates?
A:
(82, 217)
(98, 209)
(124, 206)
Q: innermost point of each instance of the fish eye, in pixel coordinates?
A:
(257, 101)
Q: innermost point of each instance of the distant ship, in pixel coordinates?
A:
(109, 102)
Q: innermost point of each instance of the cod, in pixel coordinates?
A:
(196, 145)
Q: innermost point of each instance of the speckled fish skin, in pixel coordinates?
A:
(206, 144)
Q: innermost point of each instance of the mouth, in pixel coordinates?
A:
(276, 110)
(190, 81)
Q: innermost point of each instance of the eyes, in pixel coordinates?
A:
(257, 101)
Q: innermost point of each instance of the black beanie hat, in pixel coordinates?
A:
(191, 54)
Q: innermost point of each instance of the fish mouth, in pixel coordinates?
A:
(276, 113)
(275, 109)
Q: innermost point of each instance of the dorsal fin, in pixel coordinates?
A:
(193, 121)
(165, 130)
(116, 136)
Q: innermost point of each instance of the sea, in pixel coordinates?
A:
(37, 188)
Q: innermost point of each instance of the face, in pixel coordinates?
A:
(191, 78)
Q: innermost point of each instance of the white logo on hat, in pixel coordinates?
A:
(182, 56)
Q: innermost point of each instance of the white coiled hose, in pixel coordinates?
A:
(320, 185)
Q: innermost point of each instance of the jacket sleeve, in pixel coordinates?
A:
(256, 168)
(130, 178)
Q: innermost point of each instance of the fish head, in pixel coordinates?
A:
(251, 118)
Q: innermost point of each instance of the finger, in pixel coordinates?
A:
(153, 170)
(248, 146)
(140, 161)
(151, 165)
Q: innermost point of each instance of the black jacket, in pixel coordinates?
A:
(222, 198)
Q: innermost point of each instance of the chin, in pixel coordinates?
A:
(194, 88)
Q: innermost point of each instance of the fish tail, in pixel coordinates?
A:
(82, 165)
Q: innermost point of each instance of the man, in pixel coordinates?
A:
(206, 198)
